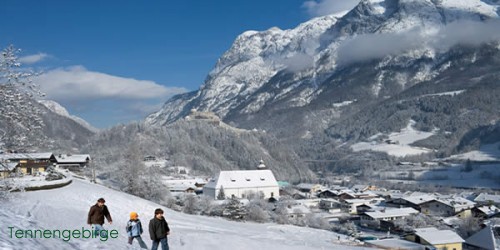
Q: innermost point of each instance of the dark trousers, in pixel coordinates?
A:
(163, 242)
(139, 239)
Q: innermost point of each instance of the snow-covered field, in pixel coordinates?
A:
(482, 176)
(400, 142)
(67, 208)
(487, 152)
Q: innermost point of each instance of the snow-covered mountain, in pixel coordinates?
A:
(340, 74)
(60, 110)
(262, 68)
(67, 208)
(26, 124)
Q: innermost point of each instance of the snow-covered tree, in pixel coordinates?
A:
(20, 115)
(137, 179)
(221, 195)
(191, 204)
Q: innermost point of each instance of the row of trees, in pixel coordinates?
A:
(257, 209)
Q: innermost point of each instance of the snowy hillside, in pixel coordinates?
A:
(67, 208)
(60, 110)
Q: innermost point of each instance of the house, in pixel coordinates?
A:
(440, 239)
(350, 205)
(331, 205)
(242, 183)
(391, 244)
(297, 211)
(389, 214)
(447, 207)
(413, 201)
(72, 162)
(364, 208)
(486, 212)
(487, 199)
(7, 168)
(484, 239)
(30, 163)
(328, 194)
(149, 158)
(178, 186)
(310, 188)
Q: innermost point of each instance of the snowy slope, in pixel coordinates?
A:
(399, 142)
(60, 110)
(487, 152)
(67, 208)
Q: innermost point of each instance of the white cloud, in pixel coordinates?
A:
(328, 7)
(376, 46)
(30, 59)
(78, 83)
(102, 99)
(299, 62)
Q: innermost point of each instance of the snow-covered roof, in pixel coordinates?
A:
(7, 166)
(306, 185)
(435, 236)
(396, 244)
(183, 184)
(396, 212)
(458, 203)
(243, 179)
(489, 210)
(360, 187)
(72, 158)
(484, 197)
(300, 209)
(362, 201)
(419, 199)
(22, 156)
(484, 239)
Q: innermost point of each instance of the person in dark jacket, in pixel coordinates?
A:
(158, 230)
(96, 215)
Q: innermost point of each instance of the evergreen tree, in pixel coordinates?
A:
(468, 166)
(221, 195)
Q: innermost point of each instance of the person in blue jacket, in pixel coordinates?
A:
(134, 230)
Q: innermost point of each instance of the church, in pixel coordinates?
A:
(241, 183)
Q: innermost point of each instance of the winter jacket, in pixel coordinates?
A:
(134, 228)
(97, 214)
(158, 229)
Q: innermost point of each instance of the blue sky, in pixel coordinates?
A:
(114, 61)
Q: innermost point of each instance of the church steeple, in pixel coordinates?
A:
(261, 166)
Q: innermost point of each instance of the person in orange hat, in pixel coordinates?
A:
(134, 230)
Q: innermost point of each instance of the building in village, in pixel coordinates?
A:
(7, 168)
(448, 207)
(242, 183)
(440, 239)
(29, 163)
(488, 199)
(73, 162)
(388, 214)
(486, 238)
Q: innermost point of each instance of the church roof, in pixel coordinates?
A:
(243, 179)
(484, 239)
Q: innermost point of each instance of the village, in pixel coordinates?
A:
(366, 214)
